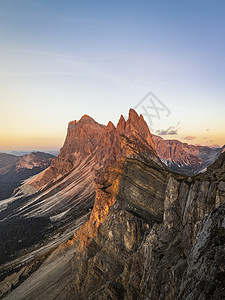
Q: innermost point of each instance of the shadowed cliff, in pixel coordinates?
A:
(152, 233)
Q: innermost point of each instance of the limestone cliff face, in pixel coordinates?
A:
(152, 235)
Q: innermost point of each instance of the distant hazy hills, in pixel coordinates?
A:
(22, 153)
(14, 169)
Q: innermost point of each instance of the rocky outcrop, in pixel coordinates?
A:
(64, 192)
(163, 237)
(152, 234)
(89, 148)
(66, 188)
(185, 158)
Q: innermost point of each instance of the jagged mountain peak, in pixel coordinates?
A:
(147, 222)
(72, 124)
(86, 138)
(121, 123)
(86, 119)
(136, 121)
(110, 126)
(133, 116)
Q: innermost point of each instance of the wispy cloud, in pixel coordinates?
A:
(189, 137)
(172, 130)
(39, 62)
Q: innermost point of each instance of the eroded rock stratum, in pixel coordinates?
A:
(152, 233)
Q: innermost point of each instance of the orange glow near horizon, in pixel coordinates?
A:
(50, 77)
(41, 136)
(16, 142)
(35, 143)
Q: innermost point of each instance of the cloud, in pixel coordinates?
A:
(172, 130)
(189, 138)
(207, 129)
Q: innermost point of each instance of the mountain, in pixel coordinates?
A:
(108, 220)
(185, 158)
(22, 153)
(57, 199)
(87, 139)
(7, 159)
(88, 147)
(152, 234)
(15, 169)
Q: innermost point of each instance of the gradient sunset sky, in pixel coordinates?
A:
(62, 59)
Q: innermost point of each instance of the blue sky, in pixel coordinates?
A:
(62, 59)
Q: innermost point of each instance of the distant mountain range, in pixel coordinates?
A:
(21, 153)
(14, 169)
(184, 158)
(16, 166)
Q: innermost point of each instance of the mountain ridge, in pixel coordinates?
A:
(150, 234)
(83, 139)
(15, 169)
(65, 191)
(185, 158)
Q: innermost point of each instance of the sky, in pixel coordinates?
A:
(60, 60)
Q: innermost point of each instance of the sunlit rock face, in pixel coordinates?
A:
(107, 144)
(66, 189)
(152, 233)
(56, 199)
(161, 237)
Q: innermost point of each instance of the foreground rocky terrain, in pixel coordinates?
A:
(152, 233)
